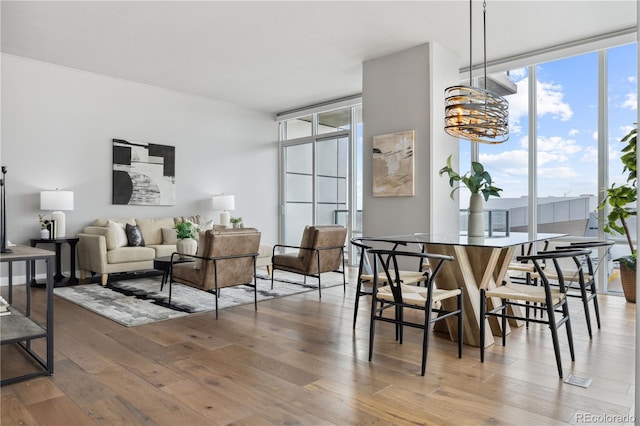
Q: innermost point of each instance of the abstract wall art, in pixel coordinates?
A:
(143, 173)
(393, 174)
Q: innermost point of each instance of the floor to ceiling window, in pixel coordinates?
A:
(570, 147)
(321, 171)
(567, 145)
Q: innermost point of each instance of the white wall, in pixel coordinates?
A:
(57, 127)
(405, 91)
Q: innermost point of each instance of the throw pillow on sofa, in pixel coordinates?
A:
(169, 236)
(134, 236)
(118, 237)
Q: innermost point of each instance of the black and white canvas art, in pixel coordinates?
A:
(143, 173)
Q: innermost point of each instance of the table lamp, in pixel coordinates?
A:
(224, 203)
(57, 201)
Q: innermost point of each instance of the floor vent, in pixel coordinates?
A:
(583, 382)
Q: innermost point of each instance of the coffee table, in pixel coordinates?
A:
(163, 263)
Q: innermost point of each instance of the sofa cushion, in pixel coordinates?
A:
(103, 221)
(116, 235)
(193, 219)
(164, 249)
(169, 236)
(151, 228)
(134, 236)
(130, 254)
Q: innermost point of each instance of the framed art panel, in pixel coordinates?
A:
(393, 164)
(143, 173)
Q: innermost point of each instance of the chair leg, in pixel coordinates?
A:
(504, 322)
(400, 320)
(216, 301)
(273, 272)
(344, 275)
(460, 322)
(483, 309)
(372, 327)
(585, 305)
(255, 292)
(553, 326)
(319, 287)
(595, 303)
(357, 302)
(565, 313)
(425, 336)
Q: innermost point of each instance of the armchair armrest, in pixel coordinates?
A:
(306, 248)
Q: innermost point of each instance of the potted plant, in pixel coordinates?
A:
(187, 244)
(621, 200)
(478, 181)
(236, 221)
(44, 230)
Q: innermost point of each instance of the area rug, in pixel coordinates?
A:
(140, 301)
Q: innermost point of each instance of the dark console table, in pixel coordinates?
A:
(20, 327)
(60, 280)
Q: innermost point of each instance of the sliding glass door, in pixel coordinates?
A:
(318, 187)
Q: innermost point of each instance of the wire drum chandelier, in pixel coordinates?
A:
(475, 113)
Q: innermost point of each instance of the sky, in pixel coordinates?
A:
(567, 126)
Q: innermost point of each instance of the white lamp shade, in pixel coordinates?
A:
(56, 200)
(224, 202)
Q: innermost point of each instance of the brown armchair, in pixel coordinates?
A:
(225, 258)
(321, 250)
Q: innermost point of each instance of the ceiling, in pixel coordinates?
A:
(276, 56)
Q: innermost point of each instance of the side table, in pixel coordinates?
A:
(20, 327)
(163, 264)
(60, 280)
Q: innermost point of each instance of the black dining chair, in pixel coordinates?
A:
(365, 275)
(545, 298)
(393, 293)
(585, 289)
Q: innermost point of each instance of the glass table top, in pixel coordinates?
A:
(512, 239)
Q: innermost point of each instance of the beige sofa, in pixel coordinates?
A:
(101, 248)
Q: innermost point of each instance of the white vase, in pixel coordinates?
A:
(44, 234)
(187, 247)
(475, 226)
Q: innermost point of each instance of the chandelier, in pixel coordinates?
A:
(475, 113)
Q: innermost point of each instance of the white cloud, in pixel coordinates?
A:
(590, 155)
(556, 172)
(549, 157)
(550, 101)
(631, 78)
(558, 146)
(514, 163)
(594, 136)
(573, 132)
(624, 130)
(631, 102)
(518, 106)
(517, 74)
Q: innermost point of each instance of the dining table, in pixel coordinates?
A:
(478, 263)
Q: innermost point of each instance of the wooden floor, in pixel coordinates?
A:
(298, 361)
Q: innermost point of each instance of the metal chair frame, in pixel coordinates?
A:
(388, 260)
(548, 306)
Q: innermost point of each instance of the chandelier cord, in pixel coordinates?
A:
(470, 43)
(484, 22)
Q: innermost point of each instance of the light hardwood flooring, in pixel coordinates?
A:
(298, 361)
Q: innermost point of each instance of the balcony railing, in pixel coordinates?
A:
(496, 222)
